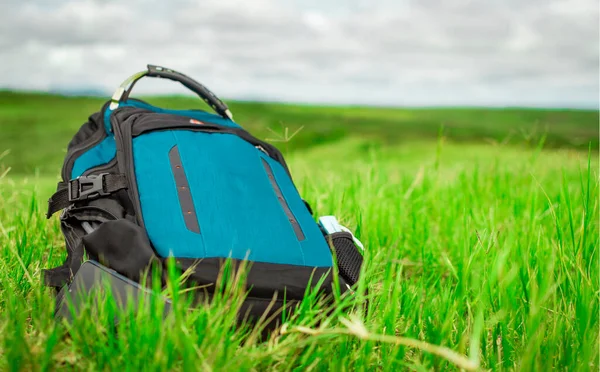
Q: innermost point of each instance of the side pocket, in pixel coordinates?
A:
(75, 223)
(349, 258)
(121, 245)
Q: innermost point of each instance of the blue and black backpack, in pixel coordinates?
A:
(141, 184)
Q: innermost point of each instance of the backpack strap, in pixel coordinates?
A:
(84, 188)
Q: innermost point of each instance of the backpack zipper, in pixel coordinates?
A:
(76, 151)
(124, 142)
(101, 168)
(172, 121)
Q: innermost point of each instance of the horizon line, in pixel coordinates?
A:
(99, 93)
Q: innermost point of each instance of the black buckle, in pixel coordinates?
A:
(87, 187)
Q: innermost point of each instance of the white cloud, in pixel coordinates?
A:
(537, 52)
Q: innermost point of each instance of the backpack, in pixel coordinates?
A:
(141, 184)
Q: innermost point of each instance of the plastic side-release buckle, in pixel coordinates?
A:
(87, 187)
(331, 225)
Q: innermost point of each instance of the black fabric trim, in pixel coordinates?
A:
(307, 204)
(284, 205)
(183, 191)
(263, 280)
(124, 247)
(124, 119)
(59, 276)
(252, 309)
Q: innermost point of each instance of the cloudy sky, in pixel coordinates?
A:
(389, 52)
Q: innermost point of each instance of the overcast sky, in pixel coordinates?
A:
(390, 52)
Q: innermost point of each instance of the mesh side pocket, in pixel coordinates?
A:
(349, 258)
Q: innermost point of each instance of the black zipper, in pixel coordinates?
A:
(93, 140)
(101, 168)
(153, 121)
(97, 137)
(286, 208)
(181, 122)
(101, 211)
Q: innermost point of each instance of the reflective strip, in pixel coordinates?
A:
(290, 216)
(183, 191)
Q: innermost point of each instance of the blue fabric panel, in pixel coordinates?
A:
(161, 211)
(106, 150)
(313, 245)
(238, 211)
(100, 154)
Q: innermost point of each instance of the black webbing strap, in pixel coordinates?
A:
(349, 258)
(84, 188)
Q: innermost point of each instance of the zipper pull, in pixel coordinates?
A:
(260, 148)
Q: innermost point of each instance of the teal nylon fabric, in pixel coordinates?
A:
(238, 211)
(106, 150)
(100, 154)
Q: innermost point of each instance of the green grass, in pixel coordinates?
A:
(491, 253)
(488, 250)
(30, 122)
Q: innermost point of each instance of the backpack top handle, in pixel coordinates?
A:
(122, 93)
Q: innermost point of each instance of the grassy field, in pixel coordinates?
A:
(36, 128)
(482, 246)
